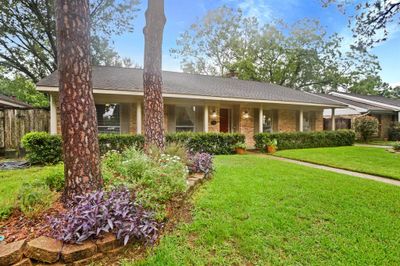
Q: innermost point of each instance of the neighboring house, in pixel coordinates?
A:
(386, 110)
(197, 103)
(16, 119)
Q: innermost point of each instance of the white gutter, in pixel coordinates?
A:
(12, 104)
(189, 96)
(353, 98)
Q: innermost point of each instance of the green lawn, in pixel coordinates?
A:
(369, 160)
(257, 211)
(11, 181)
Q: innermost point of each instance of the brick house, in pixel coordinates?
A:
(386, 110)
(197, 103)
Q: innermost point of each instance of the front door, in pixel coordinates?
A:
(224, 120)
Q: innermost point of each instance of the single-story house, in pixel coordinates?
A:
(197, 103)
(386, 110)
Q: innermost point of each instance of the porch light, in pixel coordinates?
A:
(214, 114)
(246, 114)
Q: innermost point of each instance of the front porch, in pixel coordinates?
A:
(124, 114)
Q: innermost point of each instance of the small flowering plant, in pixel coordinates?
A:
(201, 162)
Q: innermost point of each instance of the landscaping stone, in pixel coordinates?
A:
(108, 242)
(44, 249)
(88, 261)
(76, 252)
(11, 253)
(24, 262)
(114, 251)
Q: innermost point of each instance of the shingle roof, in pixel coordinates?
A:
(368, 107)
(9, 102)
(130, 79)
(379, 99)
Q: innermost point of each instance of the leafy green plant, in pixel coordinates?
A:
(213, 143)
(34, 197)
(366, 127)
(240, 145)
(394, 131)
(271, 143)
(396, 146)
(301, 140)
(55, 179)
(42, 148)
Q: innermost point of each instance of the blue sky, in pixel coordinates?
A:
(182, 13)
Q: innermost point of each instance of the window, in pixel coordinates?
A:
(268, 120)
(185, 118)
(108, 118)
(308, 121)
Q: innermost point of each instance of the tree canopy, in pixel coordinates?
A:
(27, 34)
(300, 56)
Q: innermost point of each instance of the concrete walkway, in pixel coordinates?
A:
(339, 171)
(372, 146)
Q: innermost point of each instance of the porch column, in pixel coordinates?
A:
(138, 118)
(333, 119)
(260, 120)
(206, 118)
(53, 115)
(398, 116)
(301, 121)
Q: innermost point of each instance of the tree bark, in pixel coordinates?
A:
(152, 74)
(78, 113)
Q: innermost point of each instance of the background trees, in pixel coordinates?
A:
(301, 56)
(27, 34)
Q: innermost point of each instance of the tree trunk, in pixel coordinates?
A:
(78, 113)
(152, 74)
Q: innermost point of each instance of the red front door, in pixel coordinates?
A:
(224, 120)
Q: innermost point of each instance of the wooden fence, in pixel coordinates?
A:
(15, 123)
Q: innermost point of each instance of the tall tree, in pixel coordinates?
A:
(300, 56)
(78, 115)
(371, 21)
(152, 74)
(27, 32)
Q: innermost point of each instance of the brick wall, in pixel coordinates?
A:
(386, 121)
(211, 127)
(287, 120)
(246, 125)
(319, 121)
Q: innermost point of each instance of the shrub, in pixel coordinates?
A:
(173, 149)
(201, 163)
(55, 180)
(100, 212)
(42, 148)
(213, 143)
(34, 197)
(155, 180)
(394, 131)
(396, 146)
(301, 140)
(366, 127)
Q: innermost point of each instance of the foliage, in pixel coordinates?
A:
(100, 212)
(34, 197)
(394, 131)
(301, 140)
(155, 180)
(24, 90)
(201, 162)
(366, 127)
(42, 148)
(371, 21)
(396, 146)
(271, 143)
(172, 149)
(27, 35)
(55, 179)
(239, 145)
(213, 143)
(301, 56)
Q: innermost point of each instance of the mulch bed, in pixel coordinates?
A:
(18, 226)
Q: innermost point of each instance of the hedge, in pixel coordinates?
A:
(213, 143)
(301, 140)
(43, 148)
(394, 132)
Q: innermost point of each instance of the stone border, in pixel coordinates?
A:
(48, 250)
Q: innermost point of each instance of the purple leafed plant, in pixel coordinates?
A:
(101, 212)
(201, 162)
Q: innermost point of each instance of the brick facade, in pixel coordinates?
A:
(287, 120)
(246, 125)
(319, 120)
(211, 127)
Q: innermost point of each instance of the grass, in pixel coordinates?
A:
(380, 142)
(11, 181)
(376, 161)
(257, 211)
